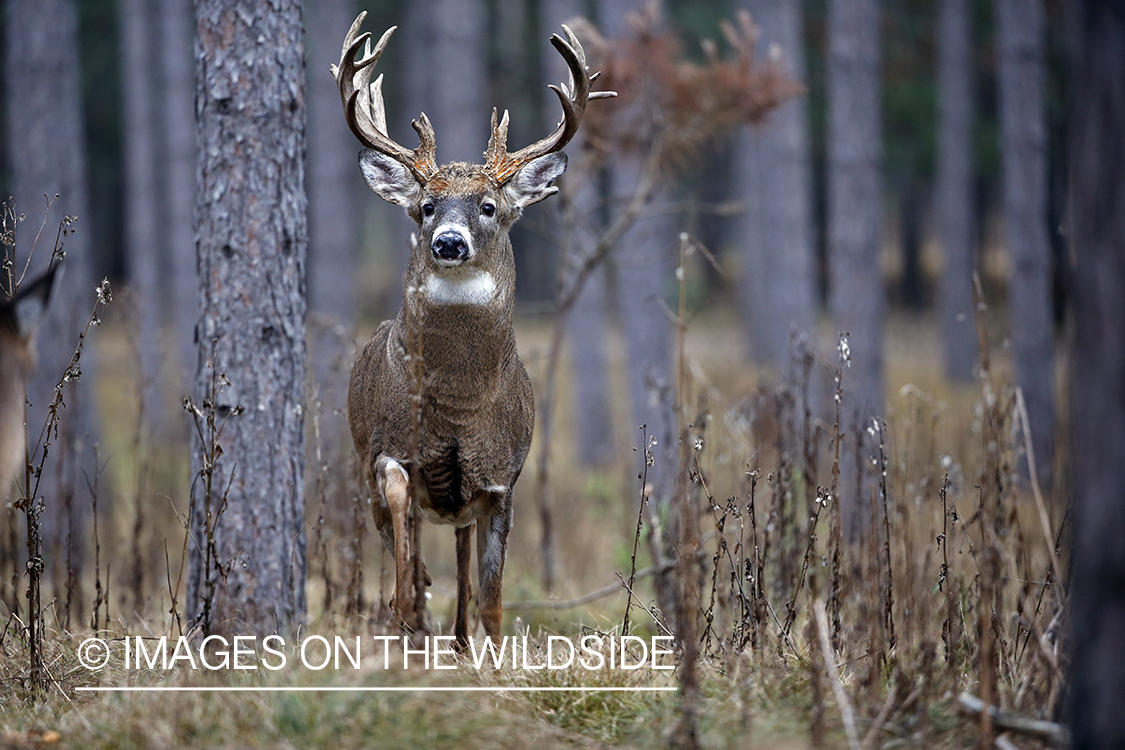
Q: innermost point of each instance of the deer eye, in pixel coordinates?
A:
(427, 209)
(488, 208)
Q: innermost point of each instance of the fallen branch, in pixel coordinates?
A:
(842, 702)
(601, 593)
(1057, 734)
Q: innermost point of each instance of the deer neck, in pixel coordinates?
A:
(462, 320)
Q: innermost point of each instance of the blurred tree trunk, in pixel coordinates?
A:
(334, 185)
(177, 194)
(644, 266)
(594, 436)
(252, 236)
(456, 59)
(772, 177)
(1097, 387)
(954, 189)
(139, 42)
(1023, 129)
(854, 224)
(47, 156)
(581, 226)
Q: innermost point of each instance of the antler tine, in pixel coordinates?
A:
(501, 165)
(364, 109)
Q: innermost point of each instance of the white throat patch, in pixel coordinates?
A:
(462, 286)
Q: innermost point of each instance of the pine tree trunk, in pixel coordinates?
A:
(772, 172)
(47, 158)
(954, 188)
(177, 180)
(854, 221)
(580, 227)
(137, 21)
(251, 236)
(457, 64)
(644, 266)
(1097, 387)
(334, 184)
(1023, 129)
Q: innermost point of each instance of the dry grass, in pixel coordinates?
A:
(763, 682)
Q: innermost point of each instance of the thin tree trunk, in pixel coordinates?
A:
(854, 218)
(47, 157)
(1097, 387)
(252, 236)
(1023, 127)
(643, 264)
(955, 217)
(457, 57)
(772, 172)
(176, 168)
(580, 227)
(137, 21)
(334, 185)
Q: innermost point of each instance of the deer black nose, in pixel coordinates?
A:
(450, 246)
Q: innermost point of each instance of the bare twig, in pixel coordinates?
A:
(846, 712)
(1056, 734)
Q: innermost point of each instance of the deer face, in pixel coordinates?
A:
(463, 211)
(463, 216)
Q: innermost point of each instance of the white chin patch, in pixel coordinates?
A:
(461, 287)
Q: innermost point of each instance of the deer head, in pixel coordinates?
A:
(19, 319)
(462, 210)
(475, 411)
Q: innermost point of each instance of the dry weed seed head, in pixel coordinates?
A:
(670, 104)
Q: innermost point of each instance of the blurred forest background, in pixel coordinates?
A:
(820, 240)
(918, 142)
(98, 98)
(913, 144)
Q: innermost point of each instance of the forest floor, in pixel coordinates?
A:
(955, 532)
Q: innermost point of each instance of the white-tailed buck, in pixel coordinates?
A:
(452, 350)
(19, 317)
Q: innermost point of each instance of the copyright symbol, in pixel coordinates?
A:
(93, 653)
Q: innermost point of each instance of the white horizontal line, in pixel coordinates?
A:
(134, 689)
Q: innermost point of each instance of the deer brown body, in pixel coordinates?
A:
(19, 317)
(439, 395)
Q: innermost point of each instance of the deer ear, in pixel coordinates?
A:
(30, 305)
(390, 180)
(533, 182)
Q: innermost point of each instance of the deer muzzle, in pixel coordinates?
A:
(451, 248)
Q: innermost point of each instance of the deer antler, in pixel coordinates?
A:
(502, 166)
(364, 109)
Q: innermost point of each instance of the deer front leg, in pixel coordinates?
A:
(492, 548)
(464, 586)
(394, 486)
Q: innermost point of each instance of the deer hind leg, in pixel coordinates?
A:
(464, 585)
(492, 548)
(394, 486)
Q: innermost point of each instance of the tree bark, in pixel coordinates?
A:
(580, 227)
(954, 215)
(1023, 130)
(457, 65)
(47, 155)
(137, 22)
(251, 236)
(644, 265)
(177, 194)
(334, 184)
(772, 176)
(854, 220)
(1097, 385)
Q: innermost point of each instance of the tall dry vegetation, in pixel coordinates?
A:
(956, 583)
